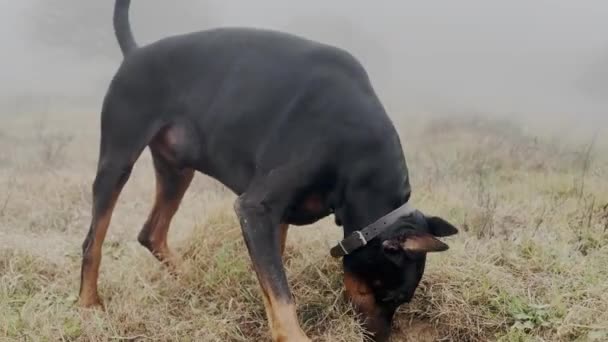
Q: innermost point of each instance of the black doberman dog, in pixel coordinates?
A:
(291, 126)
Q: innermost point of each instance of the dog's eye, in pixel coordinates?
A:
(377, 283)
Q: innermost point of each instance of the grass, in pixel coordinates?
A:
(530, 264)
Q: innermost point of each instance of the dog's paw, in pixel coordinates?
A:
(92, 303)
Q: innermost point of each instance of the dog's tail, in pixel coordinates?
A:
(122, 27)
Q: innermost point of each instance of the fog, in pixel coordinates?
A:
(544, 58)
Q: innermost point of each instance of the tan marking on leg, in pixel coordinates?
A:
(283, 237)
(283, 319)
(89, 296)
(159, 221)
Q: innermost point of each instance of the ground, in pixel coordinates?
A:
(530, 263)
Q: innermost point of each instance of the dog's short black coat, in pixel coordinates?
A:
(292, 126)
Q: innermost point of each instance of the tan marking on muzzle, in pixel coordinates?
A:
(362, 298)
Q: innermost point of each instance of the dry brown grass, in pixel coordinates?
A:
(530, 264)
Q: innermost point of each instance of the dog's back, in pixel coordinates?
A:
(268, 88)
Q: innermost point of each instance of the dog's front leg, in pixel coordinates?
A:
(263, 235)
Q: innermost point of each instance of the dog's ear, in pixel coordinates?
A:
(423, 243)
(413, 242)
(440, 227)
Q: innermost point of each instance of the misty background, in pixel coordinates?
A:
(526, 58)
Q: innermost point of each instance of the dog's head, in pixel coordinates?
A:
(385, 273)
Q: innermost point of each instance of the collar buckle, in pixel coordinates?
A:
(361, 237)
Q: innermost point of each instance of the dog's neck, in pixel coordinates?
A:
(376, 186)
(368, 206)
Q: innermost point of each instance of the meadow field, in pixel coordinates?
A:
(530, 262)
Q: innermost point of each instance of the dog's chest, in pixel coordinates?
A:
(308, 209)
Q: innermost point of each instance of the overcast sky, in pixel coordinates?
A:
(531, 57)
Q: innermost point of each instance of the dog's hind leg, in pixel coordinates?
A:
(109, 181)
(121, 144)
(171, 185)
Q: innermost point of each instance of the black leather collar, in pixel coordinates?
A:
(360, 238)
